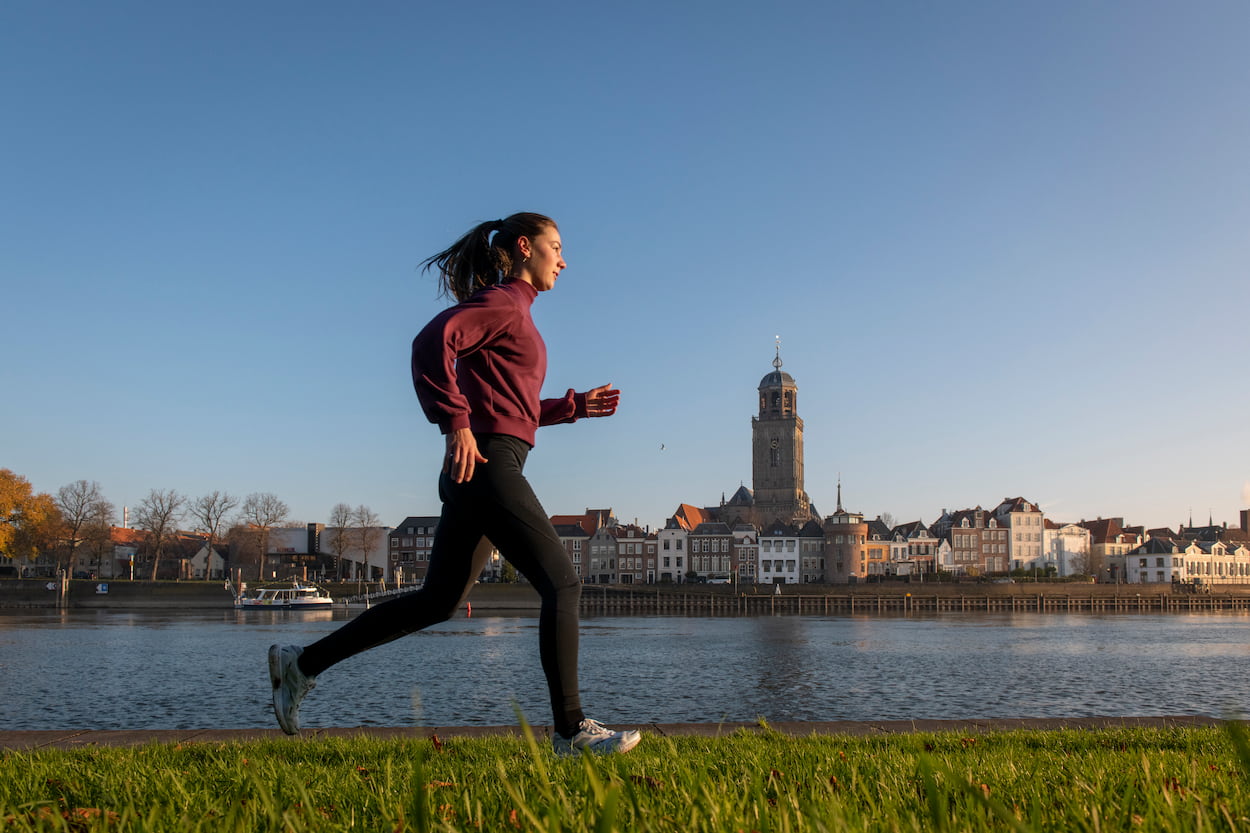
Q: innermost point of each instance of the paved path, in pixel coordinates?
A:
(85, 738)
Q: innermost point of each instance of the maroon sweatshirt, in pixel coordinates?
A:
(481, 365)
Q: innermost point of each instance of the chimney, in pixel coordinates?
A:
(1245, 520)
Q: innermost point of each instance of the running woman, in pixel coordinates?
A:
(478, 368)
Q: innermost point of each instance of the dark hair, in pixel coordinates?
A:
(483, 257)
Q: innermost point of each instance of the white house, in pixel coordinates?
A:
(213, 558)
(1066, 548)
(779, 554)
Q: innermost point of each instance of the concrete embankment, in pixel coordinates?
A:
(201, 595)
(892, 598)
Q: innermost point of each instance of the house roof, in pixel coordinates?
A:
(780, 529)
(1102, 530)
(915, 529)
(589, 521)
(1015, 504)
(811, 529)
(688, 517)
(1158, 546)
(877, 530)
(125, 536)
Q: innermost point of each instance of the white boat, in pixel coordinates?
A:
(293, 596)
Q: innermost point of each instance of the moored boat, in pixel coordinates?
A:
(293, 596)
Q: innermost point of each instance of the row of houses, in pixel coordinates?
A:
(697, 545)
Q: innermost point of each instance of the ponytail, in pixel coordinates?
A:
(484, 256)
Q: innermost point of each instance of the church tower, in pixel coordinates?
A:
(777, 451)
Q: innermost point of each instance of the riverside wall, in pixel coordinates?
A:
(889, 598)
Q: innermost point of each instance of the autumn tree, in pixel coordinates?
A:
(28, 521)
(340, 521)
(80, 503)
(263, 511)
(158, 514)
(367, 534)
(209, 513)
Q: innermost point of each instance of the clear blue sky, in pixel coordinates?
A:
(1004, 244)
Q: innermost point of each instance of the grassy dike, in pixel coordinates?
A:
(1105, 780)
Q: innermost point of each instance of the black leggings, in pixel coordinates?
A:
(496, 507)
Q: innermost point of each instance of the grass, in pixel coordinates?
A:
(1108, 780)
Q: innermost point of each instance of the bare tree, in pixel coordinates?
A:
(340, 522)
(887, 518)
(79, 502)
(99, 536)
(368, 536)
(209, 513)
(263, 511)
(158, 514)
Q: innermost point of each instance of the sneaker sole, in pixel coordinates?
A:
(629, 739)
(275, 679)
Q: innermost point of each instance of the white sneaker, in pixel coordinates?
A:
(289, 685)
(593, 736)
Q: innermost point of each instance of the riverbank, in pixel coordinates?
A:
(71, 738)
(1105, 779)
(686, 599)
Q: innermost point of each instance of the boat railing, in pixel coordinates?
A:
(367, 598)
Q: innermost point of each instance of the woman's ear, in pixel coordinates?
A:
(524, 247)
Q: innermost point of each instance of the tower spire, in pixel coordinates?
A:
(777, 358)
(840, 509)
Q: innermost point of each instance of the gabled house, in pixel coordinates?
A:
(1065, 547)
(779, 554)
(574, 539)
(711, 551)
(914, 549)
(1109, 543)
(1024, 520)
(408, 548)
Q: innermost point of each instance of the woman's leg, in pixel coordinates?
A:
(517, 524)
(458, 556)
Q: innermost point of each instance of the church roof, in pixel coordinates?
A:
(777, 379)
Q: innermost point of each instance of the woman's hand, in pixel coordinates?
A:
(462, 455)
(602, 401)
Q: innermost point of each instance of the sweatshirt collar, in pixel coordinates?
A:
(527, 290)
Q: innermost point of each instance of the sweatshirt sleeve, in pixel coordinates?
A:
(455, 332)
(568, 408)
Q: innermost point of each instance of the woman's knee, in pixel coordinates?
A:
(436, 607)
(566, 589)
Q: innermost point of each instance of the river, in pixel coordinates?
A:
(112, 669)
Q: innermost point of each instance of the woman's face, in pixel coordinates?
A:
(546, 258)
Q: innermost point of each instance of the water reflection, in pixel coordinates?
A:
(137, 669)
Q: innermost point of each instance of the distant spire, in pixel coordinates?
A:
(840, 511)
(777, 358)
